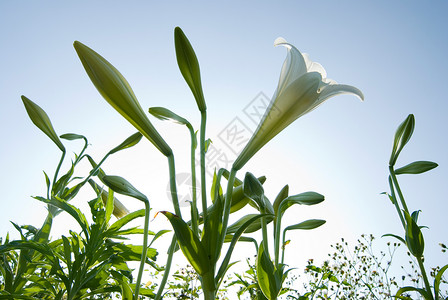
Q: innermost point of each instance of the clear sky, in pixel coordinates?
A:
(394, 51)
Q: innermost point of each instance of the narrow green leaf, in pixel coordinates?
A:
(117, 92)
(402, 137)
(122, 186)
(416, 167)
(129, 142)
(70, 209)
(213, 230)
(40, 118)
(208, 142)
(158, 234)
(282, 195)
(265, 275)
(307, 198)
(126, 219)
(415, 214)
(234, 239)
(67, 252)
(109, 206)
(254, 226)
(438, 280)
(414, 237)
(73, 136)
(306, 225)
(163, 113)
(189, 66)
(126, 291)
(190, 244)
(412, 289)
(395, 236)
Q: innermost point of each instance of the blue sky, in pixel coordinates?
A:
(394, 51)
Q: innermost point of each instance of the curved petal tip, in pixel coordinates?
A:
(280, 41)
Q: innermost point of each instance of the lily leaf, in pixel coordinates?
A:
(166, 114)
(306, 225)
(233, 240)
(402, 137)
(117, 92)
(129, 142)
(395, 236)
(416, 167)
(73, 136)
(307, 198)
(125, 220)
(122, 186)
(189, 66)
(402, 290)
(282, 195)
(414, 237)
(189, 243)
(269, 285)
(254, 226)
(40, 118)
(438, 279)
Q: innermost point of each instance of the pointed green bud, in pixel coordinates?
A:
(128, 143)
(253, 189)
(189, 66)
(122, 186)
(117, 91)
(402, 137)
(42, 121)
(119, 210)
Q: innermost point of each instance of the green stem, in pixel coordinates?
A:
(144, 252)
(397, 207)
(208, 286)
(397, 186)
(425, 277)
(227, 204)
(194, 211)
(58, 168)
(166, 273)
(277, 228)
(173, 188)
(264, 231)
(202, 153)
(283, 246)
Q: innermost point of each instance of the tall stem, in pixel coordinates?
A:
(264, 231)
(425, 277)
(277, 228)
(55, 178)
(227, 203)
(194, 211)
(144, 252)
(209, 286)
(173, 188)
(397, 207)
(202, 153)
(397, 186)
(166, 273)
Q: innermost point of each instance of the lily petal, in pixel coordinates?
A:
(337, 89)
(303, 86)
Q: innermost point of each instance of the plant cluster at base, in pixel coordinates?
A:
(94, 263)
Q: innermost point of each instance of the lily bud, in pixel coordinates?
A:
(118, 93)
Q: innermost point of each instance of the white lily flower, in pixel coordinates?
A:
(303, 86)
